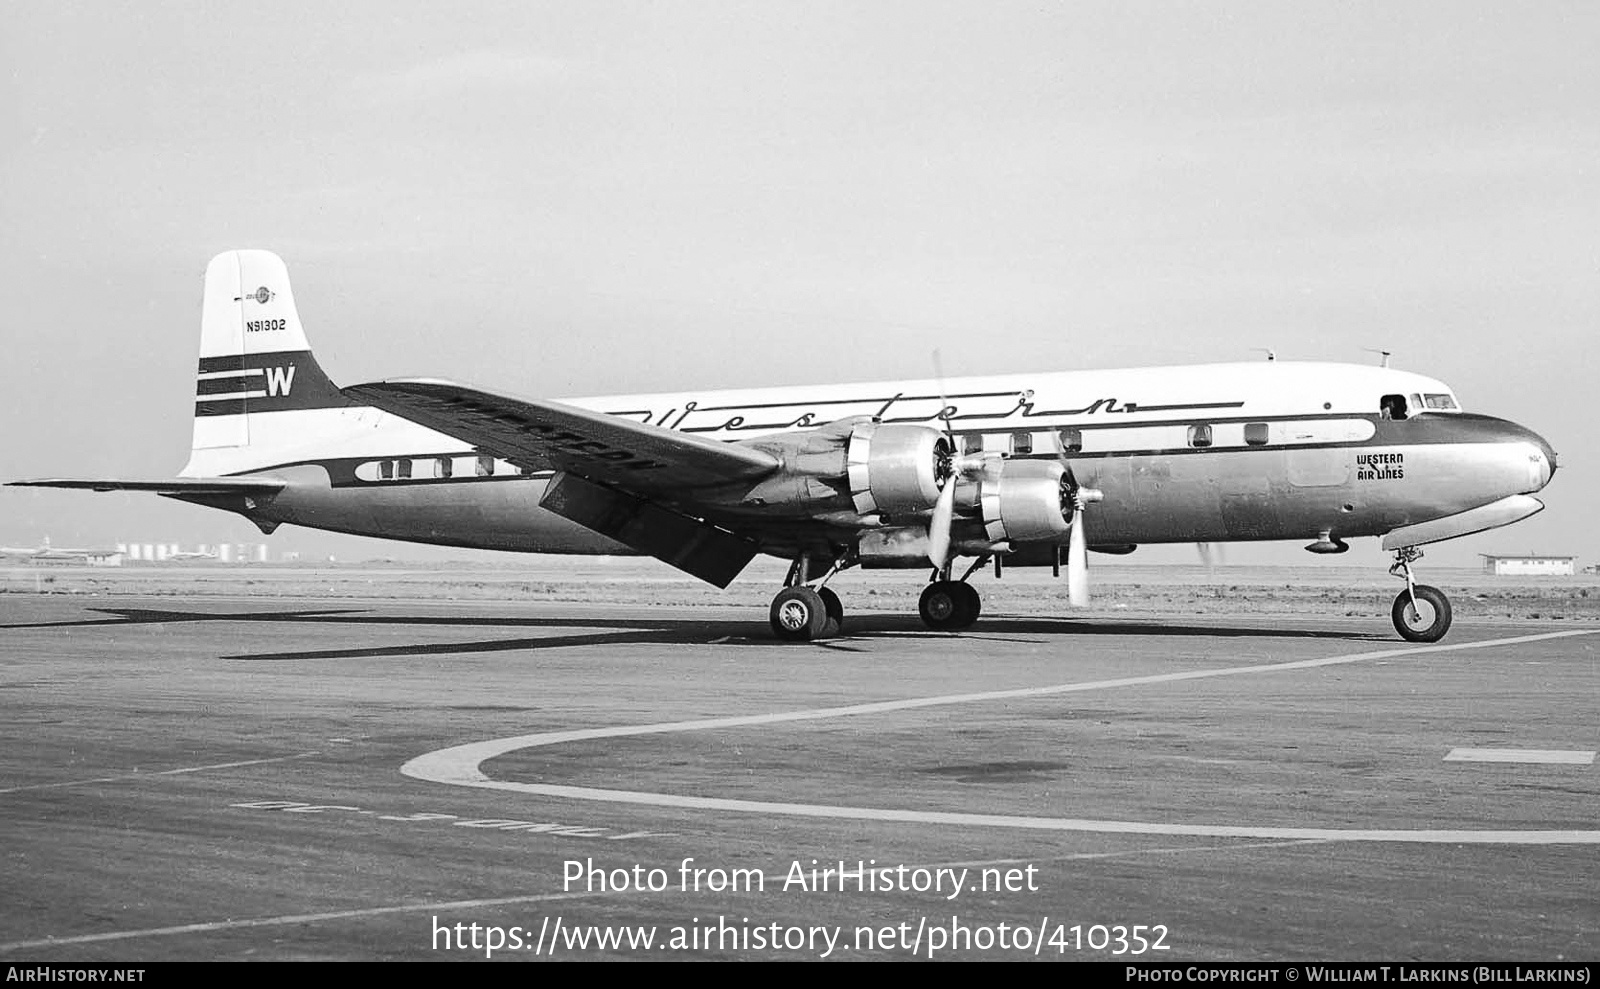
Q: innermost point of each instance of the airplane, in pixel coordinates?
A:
(45, 551)
(183, 555)
(1028, 469)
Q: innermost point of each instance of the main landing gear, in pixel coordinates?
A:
(951, 605)
(1421, 613)
(800, 613)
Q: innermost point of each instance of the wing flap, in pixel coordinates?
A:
(539, 434)
(698, 548)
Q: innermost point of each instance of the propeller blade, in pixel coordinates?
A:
(1078, 563)
(939, 526)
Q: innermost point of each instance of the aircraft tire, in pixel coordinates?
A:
(972, 604)
(1431, 619)
(947, 606)
(799, 615)
(834, 609)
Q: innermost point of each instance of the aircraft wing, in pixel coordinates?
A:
(619, 453)
(171, 485)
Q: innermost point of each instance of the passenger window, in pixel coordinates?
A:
(485, 467)
(1022, 443)
(1392, 407)
(403, 469)
(1071, 440)
(1255, 433)
(386, 470)
(971, 443)
(1200, 435)
(442, 467)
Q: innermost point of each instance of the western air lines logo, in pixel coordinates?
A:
(279, 379)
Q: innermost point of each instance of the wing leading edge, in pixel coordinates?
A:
(631, 481)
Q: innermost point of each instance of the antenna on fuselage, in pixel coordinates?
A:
(1383, 355)
(1271, 354)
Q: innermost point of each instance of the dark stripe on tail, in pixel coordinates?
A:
(289, 379)
(231, 384)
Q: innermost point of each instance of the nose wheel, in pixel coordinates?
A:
(1421, 613)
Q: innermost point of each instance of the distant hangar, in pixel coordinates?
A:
(1528, 565)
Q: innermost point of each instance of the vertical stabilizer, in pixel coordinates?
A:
(259, 390)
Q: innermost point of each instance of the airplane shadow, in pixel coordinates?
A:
(860, 631)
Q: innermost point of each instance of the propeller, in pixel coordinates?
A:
(955, 467)
(939, 526)
(1078, 543)
(944, 509)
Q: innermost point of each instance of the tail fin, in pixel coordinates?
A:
(260, 391)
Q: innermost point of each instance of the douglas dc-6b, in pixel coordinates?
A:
(1028, 469)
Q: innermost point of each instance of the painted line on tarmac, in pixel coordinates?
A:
(301, 918)
(1549, 757)
(458, 765)
(164, 772)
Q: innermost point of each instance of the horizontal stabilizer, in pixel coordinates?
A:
(171, 485)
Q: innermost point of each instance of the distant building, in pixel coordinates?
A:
(1528, 565)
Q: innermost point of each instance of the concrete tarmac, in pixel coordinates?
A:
(312, 779)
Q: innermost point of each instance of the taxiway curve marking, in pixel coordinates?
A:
(458, 765)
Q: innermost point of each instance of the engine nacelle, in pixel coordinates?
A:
(896, 468)
(1029, 501)
(906, 547)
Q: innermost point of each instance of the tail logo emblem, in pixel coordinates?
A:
(262, 295)
(279, 379)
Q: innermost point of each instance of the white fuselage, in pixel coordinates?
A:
(1267, 450)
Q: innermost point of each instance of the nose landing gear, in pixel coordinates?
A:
(1421, 613)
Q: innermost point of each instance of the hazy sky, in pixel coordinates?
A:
(580, 198)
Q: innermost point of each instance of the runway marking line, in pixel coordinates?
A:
(1563, 757)
(459, 765)
(302, 918)
(164, 772)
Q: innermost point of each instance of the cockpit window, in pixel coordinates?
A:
(1392, 407)
(1441, 402)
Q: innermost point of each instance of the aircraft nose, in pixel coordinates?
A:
(1541, 460)
(1549, 459)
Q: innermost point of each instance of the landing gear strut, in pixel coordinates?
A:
(1421, 613)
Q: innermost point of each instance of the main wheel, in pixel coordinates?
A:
(799, 614)
(972, 606)
(1428, 620)
(948, 605)
(835, 611)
